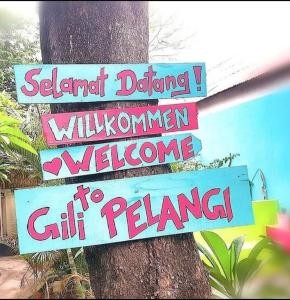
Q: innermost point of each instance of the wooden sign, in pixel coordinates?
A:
(115, 156)
(99, 125)
(113, 211)
(123, 82)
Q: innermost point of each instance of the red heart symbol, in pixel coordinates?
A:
(53, 166)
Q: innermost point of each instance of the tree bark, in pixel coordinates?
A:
(100, 32)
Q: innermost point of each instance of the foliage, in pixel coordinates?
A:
(19, 44)
(12, 139)
(32, 122)
(60, 274)
(29, 164)
(230, 275)
(11, 243)
(40, 263)
(29, 116)
(276, 277)
(5, 169)
(10, 107)
(55, 272)
(196, 164)
(166, 39)
(18, 152)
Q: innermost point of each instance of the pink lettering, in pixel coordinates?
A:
(66, 85)
(186, 205)
(228, 204)
(81, 226)
(125, 91)
(116, 162)
(218, 210)
(187, 148)
(50, 230)
(81, 195)
(110, 214)
(29, 79)
(101, 158)
(150, 219)
(45, 87)
(128, 155)
(149, 158)
(56, 94)
(102, 78)
(183, 81)
(132, 219)
(97, 196)
(71, 218)
(168, 213)
(166, 150)
(75, 167)
(150, 74)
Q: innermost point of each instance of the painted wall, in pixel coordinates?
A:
(259, 131)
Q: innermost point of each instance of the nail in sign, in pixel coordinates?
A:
(101, 212)
(119, 82)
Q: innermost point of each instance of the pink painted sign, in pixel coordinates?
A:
(87, 126)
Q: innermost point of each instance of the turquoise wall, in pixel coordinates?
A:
(259, 131)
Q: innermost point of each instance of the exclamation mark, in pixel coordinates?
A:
(197, 73)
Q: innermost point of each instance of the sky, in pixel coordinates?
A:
(23, 8)
(236, 40)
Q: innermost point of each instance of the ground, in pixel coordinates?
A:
(12, 271)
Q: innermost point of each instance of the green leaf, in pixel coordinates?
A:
(220, 250)
(4, 139)
(4, 177)
(79, 252)
(7, 130)
(6, 120)
(21, 144)
(218, 287)
(246, 268)
(259, 247)
(235, 252)
(209, 256)
(227, 284)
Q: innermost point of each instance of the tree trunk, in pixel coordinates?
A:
(100, 32)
